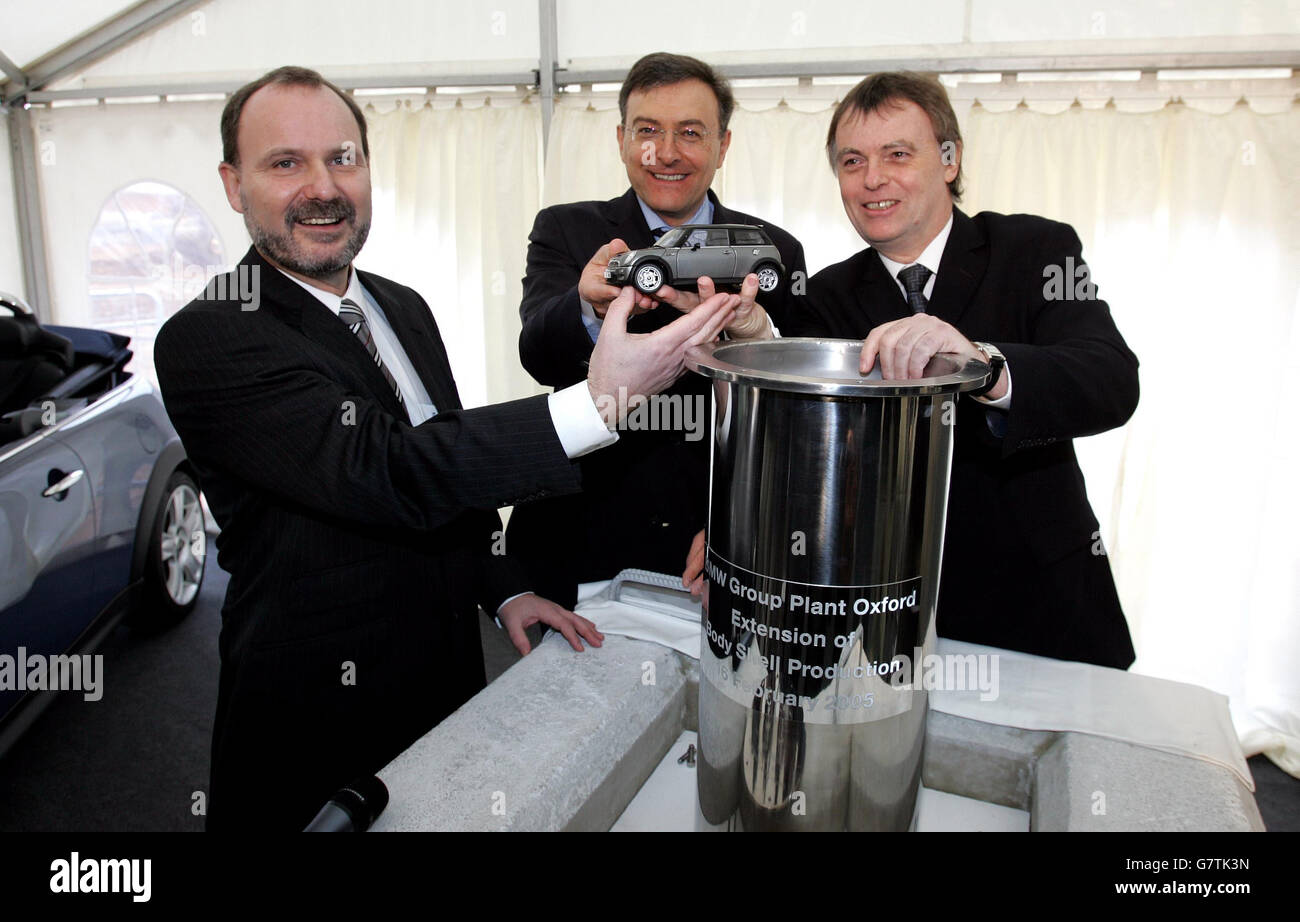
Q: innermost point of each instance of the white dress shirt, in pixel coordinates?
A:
(930, 258)
(577, 421)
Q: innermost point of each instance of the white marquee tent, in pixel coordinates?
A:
(1166, 132)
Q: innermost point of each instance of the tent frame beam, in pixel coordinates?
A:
(528, 78)
(548, 63)
(12, 70)
(31, 224)
(860, 67)
(805, 69)
(82, 52)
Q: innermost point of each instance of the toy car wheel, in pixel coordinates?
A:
(769, 278)
(648, 278)
(177, 552)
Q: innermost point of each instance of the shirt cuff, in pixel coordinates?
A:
(1003, 402)
(518, 594)
(577, 421)
(589, 319)
(497, 616)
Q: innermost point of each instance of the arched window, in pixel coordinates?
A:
(151, 251)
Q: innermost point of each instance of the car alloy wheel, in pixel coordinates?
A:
(768, 278)
(183, 544)
(649, 278)
(175, 555)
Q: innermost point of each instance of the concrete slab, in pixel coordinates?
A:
(564, 741)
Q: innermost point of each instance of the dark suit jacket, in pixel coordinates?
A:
(645, 497)
(1019, 568)
(358, 546)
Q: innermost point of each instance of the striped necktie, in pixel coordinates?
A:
(914, 278)
(351, 314)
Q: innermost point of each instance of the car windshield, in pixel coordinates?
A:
(674, 238)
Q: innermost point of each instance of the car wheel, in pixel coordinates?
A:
(177, 551)
(648, 278)
(769, 278)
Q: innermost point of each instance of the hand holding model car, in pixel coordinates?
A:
(703, 257)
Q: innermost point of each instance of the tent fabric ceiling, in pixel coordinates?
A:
(213, 40)
(29, 37)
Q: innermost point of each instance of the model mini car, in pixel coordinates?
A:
(726, 253)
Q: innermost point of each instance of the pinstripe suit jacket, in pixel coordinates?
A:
(358, 546)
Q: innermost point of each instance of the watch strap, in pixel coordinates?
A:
(997, 361)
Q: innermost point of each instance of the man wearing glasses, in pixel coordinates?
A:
(645, 498)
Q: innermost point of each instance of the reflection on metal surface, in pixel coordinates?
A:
(826, 517)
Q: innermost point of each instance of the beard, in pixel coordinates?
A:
(283, 249)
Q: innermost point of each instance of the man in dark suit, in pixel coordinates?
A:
(643, 500)
(356, 498)
(1023, 564)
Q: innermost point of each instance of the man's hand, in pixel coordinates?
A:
(593, 288)
(693, 575)
(750, 321)
(647, 363)
(905, 346)
(528, 609)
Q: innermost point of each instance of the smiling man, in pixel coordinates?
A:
(356, 497)
(1023, 565)
(643, 500)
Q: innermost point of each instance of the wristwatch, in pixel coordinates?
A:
(997, 361)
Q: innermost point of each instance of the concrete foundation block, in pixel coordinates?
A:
(1089, 783)
(984, 761)
(562, 740)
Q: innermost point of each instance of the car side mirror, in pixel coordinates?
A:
(695, 245)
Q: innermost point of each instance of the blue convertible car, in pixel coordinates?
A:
(99, 510)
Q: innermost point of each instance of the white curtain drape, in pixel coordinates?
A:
(1191, 226)
(87, 155)
(455, 191)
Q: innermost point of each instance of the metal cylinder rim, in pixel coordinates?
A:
(959, 374)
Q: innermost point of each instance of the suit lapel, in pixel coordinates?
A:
(415, 330)
(627, 222)
(722, 214)
(299, 310)
(878, 294)
(965, 260)
(961, 268)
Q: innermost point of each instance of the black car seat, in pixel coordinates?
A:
(32, 360)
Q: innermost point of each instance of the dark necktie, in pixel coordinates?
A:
(351, 314)
(914, 278)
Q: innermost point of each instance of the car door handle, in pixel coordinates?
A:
(64, 485)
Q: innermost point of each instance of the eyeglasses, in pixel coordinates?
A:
(688, 137)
